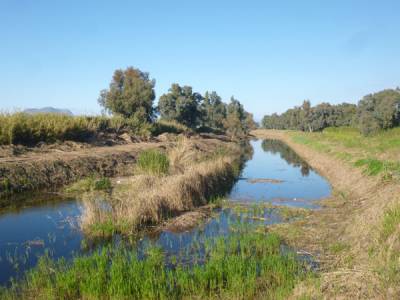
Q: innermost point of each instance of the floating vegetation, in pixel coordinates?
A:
(263, 180)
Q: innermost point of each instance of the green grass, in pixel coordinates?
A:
(389, 269)
(391, 222)
(90, 183)
(153, 162)
(338, 247)
(243, 266)
(376, 154)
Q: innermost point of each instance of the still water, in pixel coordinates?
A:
(275, 174)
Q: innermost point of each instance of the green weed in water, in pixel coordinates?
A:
(242, 266)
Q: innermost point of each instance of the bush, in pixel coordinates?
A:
(153, 162)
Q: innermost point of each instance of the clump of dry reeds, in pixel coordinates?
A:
(148, 199)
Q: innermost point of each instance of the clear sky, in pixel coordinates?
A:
(269, 54)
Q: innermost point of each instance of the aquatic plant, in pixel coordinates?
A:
(241, 266)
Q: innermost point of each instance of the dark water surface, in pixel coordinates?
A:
(52, 226)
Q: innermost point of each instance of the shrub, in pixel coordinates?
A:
(153, 162)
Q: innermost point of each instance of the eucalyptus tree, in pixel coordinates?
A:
(379, 111)
(181, 104)
(130, 94)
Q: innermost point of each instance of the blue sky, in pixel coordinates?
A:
(269, 54)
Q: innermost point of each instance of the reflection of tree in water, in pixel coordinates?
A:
(247, 152)
(286, 153)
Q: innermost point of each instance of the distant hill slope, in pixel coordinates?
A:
(48, 110)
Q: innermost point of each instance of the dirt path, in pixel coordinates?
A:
(57, 154)
(345, 232)
(53, 168)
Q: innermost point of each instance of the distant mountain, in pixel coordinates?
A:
(48, 110)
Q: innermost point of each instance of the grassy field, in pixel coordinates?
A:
(378, 154)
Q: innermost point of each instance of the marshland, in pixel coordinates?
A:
(199, 150)
(193, 199)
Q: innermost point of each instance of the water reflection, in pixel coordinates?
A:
(276, 174)
(32, 228)
(286, 153)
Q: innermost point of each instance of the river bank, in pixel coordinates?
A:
(273, 181)
(51, 167)
(355, 235)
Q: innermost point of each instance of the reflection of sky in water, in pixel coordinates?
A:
(29, 232)
(300, 183)
(191, 243)
(48, 224)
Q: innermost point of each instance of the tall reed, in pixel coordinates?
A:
(27, 129)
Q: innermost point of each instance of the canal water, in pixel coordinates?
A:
(274, 174)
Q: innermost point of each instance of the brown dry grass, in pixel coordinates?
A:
(148, 199)
(345, 236)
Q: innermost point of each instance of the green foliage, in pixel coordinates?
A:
(236, 120)
(213, 111)
(130, 94)
(373, 113)
(242, 266)
(181, 105)
(307, 118)
(379, 111)
(153, 162)
(205, 114)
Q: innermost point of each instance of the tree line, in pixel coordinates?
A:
(373, 112)
(131, 95)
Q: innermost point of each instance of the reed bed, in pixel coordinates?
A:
(27, 129)
(149, 198)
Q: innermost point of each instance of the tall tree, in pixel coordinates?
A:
(130, 94)
(234, 123)
(379, 111)
(213, 111)
(180, 104)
